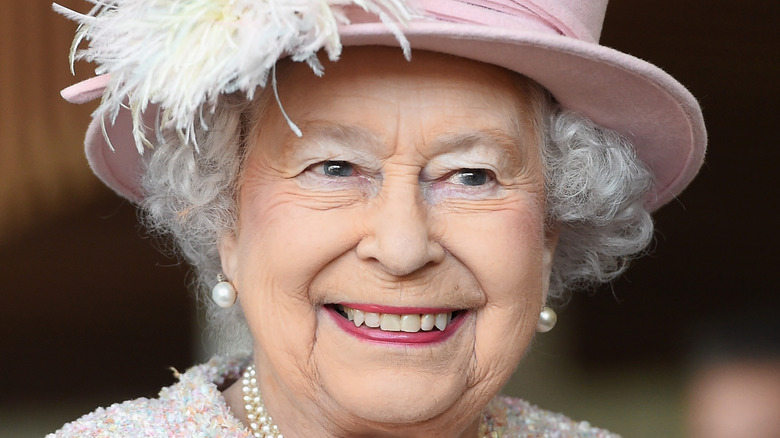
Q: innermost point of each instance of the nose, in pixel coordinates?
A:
(399, 234)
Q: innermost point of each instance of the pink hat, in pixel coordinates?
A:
(554, 42)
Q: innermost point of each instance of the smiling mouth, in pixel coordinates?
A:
(397, 322)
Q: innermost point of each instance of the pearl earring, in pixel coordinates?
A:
(547, 320)
(224, 294)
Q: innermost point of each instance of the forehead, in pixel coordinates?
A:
(370, 94)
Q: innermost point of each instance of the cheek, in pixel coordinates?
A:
(282, 247)
(286, 238)
(503, 249)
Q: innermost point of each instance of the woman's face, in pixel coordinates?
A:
(414, 198)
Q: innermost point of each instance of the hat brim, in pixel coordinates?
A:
(615, 90)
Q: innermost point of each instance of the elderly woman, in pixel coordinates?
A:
(385, 237)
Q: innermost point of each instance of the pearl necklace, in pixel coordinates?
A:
(259, 420)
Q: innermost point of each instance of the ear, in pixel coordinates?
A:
(228, 255)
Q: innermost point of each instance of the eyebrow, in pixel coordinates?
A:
(347, 134)
(514, 152)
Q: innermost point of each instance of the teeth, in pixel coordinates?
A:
(372, 319)
(427, 322)
(390, 322)
(410, 323)
(358, 317)
(441, 321)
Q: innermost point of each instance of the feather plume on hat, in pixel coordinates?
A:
(183, 54)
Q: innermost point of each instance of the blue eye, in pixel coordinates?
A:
(471, 177)
(337, 168)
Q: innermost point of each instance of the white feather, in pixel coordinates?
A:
(183, 54)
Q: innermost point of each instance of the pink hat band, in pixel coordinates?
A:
(542, 16)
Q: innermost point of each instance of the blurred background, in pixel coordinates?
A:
(686, 344)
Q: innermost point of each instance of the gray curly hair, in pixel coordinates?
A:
(594, 185)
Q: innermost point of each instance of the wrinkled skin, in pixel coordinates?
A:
(398, 223)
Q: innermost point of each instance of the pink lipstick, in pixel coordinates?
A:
(397, 325)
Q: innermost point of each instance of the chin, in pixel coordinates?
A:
(393, 384)
(400, 398)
